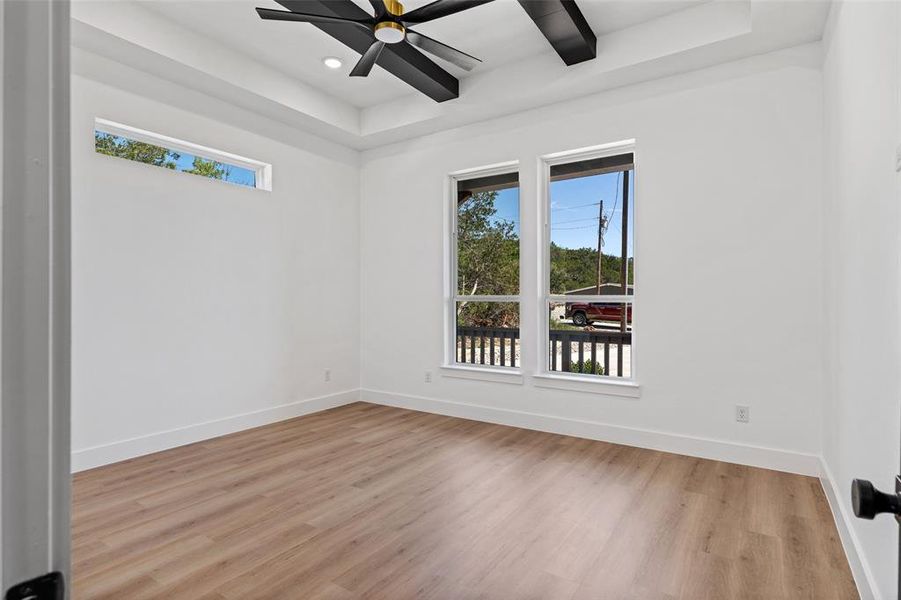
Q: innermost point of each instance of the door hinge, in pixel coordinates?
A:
(46, 587)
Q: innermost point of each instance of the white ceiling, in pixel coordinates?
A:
(275, 68)
(498, 33)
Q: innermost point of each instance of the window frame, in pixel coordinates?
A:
(262, 171)
(451, 296)
(627, 386)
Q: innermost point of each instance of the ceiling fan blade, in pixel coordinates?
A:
(379, 7)
(442, 51)
(285, 15)
(367, 61)
(440, 8)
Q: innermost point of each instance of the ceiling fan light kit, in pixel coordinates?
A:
(389, 32)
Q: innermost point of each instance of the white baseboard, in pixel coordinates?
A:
(743, 454)
(96, 456)
(860, 568)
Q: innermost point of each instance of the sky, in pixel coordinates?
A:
(507, 204)
(575, 204)
(574, 211)
(235, 174)
(185, 162)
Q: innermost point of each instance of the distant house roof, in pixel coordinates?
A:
(607, 289)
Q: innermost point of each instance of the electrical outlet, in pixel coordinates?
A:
(743, 414)
(328, 374)
(428, 377)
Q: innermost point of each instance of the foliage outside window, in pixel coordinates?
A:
(486, 275)
(167, 158)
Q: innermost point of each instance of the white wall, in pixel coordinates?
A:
(862, 433)
(196, 302)
(728, 200)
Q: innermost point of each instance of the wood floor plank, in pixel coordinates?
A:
(372, 502)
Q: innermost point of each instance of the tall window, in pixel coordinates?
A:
(590, 264)
(485, 271)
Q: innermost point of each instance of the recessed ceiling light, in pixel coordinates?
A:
(332, 62)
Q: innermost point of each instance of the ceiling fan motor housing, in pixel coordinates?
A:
(394, 8)
(390, 30)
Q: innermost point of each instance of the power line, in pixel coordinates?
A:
(555, 209)
(577, 220)
(619, 176)
(571, 228)
(606, 218)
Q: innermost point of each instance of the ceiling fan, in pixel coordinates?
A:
(390, 25)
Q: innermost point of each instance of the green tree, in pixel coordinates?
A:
(114, 145)
(208, 168)
(576, 268)
(487, 262)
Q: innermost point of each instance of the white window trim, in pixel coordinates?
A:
(483, 373)
(263, 171)
(450, 367)
(543, 376)
(612, 386)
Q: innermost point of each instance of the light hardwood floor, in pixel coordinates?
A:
(367, 501)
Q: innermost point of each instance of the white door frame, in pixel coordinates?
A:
(34, 289)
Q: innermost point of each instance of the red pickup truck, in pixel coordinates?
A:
(585, 313)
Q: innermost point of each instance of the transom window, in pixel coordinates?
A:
(138, 145)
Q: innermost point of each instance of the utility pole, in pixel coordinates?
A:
(600, 274)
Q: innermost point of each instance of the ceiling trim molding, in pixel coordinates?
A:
(128, 34)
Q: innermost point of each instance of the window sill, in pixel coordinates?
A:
(592, 385)
(496, 374)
